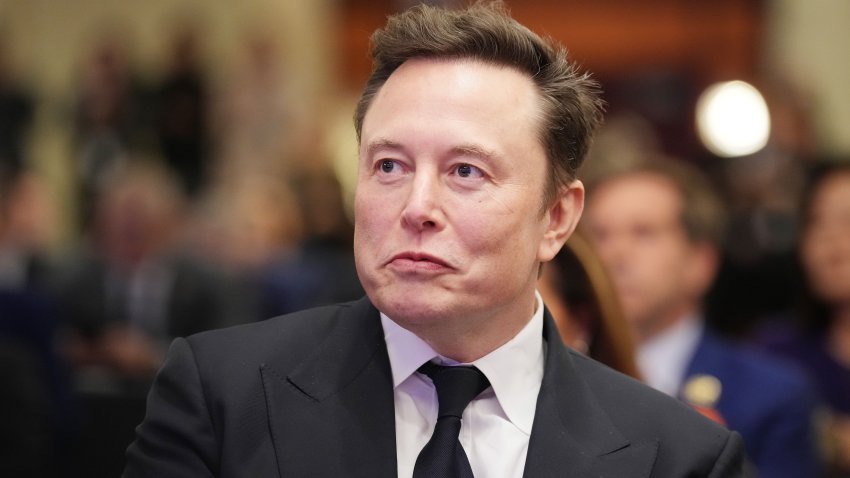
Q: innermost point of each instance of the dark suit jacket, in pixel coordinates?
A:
(310, 395)
(767, 401)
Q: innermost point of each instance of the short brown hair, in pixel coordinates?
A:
(485, 31)
(703, 216)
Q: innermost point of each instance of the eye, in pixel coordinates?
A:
(387, 165)
(468, 171)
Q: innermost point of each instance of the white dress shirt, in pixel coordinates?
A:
(663, 359)
(496, 426)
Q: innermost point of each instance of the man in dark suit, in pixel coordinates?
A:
(471, 129)
(658, 226)
(133, 288)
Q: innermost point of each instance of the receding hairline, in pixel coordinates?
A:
(539, 110)
(570, 106)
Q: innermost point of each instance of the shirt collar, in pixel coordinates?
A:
(406, 350)
(515, 370)
(662, 360)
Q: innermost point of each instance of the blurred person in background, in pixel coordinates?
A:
(109, 117)
(181, 118)
(580, 295)
(248, 222)
(320, 270)
(28, 225)
(658, 226)
(16, 115)
(247, 225)
(819, 338)
(36, 413)
(134, 288)
(255, 124)
(123, 296)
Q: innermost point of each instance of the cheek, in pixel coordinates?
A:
(367, 228)
(816, 256)
(370, 210)
(506, 235)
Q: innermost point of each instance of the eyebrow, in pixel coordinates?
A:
(381, 144)
(460, 150)
(474, 150)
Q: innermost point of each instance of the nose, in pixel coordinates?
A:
(423, 208)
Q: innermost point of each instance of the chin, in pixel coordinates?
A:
(410, 307)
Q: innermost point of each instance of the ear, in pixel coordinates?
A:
(562, 218)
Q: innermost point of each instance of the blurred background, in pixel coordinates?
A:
(171, 166)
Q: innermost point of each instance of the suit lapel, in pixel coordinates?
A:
(702, 383)
(572, 435)
(333, 414)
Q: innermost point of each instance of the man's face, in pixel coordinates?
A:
(634, 222)
(448, 225)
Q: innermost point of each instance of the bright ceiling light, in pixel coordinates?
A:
(732, 119)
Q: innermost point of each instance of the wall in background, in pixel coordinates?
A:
(808, 41)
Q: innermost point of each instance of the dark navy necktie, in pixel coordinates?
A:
(443, 455)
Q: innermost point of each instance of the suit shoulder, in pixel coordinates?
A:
(297, 333)
(746, 368)
(637, 407)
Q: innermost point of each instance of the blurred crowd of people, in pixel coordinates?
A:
(199, 207)
(631, 289)
(196, 206)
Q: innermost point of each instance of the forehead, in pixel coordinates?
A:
(635, 197)
(463, 76)
(464, 95)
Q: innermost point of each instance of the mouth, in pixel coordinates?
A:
(416, 261)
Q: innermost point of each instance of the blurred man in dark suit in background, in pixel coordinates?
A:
(658, 226)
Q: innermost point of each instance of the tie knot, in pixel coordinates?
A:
(456, 386)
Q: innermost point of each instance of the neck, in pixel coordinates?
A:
(467, 348)
(467, 340)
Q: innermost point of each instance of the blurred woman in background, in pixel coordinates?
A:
(582, 300)
(820, 340)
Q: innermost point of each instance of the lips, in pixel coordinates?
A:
(418, 260)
